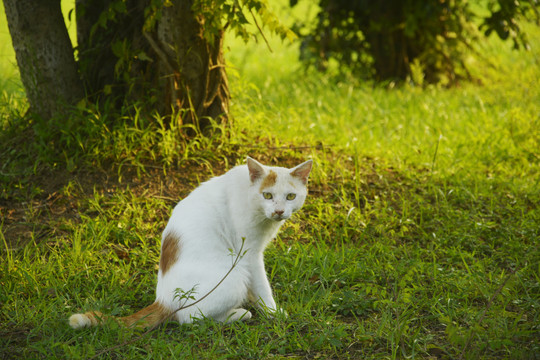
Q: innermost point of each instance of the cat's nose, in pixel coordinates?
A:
(279, 212)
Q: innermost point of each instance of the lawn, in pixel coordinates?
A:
(419, 239)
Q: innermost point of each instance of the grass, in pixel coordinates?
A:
(420, 238)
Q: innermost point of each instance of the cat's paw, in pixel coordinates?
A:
(77, 321)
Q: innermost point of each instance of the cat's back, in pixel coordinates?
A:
(210, 201)
(219, 188)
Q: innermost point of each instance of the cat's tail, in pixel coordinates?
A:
(149, 316)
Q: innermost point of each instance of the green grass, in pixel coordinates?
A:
(420, 238)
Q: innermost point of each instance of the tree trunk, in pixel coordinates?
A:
(387, 43)
(172, 68)
(390, 55)
(193, 66)
(44, 54)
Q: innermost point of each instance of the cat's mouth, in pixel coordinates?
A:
(279, 216)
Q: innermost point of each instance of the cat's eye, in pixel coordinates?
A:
(267, 195)
(291, 196)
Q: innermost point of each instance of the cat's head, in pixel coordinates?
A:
(279, 191)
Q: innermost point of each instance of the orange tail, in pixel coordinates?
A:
(149, 316)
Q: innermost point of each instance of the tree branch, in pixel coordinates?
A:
(260, 30)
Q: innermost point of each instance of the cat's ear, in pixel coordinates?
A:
(256, 169)
(302, 171)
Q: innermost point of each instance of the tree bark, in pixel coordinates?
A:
(193, 66)
(44, 54)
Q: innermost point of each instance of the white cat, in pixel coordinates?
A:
(240, 211)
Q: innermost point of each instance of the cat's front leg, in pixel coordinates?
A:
(260, 292)
(266, 303)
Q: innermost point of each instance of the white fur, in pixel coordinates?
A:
(77, 321)
(211, 223)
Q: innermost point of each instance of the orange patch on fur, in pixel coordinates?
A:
(149, 316)
(268, 181)
(170, 249)
(95, 317)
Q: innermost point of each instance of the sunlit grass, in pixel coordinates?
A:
(450, 129)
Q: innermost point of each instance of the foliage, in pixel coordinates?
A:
(118, 29)
(223, 14)
(216, 15)
(393, 39)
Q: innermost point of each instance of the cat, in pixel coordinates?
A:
(232, 216)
